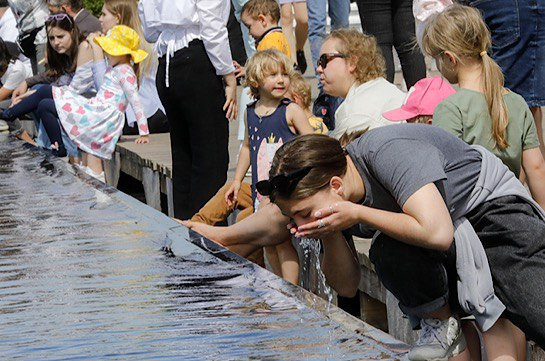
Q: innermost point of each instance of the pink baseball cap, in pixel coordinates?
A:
(422, 99)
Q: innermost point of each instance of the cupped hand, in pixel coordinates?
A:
(334, 218)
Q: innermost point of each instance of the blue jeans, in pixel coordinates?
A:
(518, 43)
(339, 10)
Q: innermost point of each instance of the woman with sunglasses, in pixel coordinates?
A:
(351, 67)
(63, 44)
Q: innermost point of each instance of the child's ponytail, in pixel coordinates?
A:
(462, 31)
(493, 81)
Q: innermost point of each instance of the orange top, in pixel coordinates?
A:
(274, 38)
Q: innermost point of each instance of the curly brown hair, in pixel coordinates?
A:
(362, 49)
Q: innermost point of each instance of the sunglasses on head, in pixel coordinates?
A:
(327, 57)
(283, 183)
(58, 17)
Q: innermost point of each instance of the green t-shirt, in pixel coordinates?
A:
(465, 114)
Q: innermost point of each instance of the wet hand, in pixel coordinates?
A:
(334, 218)
(143, 139)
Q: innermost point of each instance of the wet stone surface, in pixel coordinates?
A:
(84, 275)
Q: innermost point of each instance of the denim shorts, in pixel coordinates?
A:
(518, 43)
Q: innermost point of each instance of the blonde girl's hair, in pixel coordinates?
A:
(264, 63)
(364, 52)
(127, 12)
(462, 31)
(301, 87)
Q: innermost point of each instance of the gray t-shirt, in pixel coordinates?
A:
(395, 162)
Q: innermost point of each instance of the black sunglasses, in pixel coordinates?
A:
(283, 183)
(327, 57)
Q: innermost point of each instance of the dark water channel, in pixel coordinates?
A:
(83, 275)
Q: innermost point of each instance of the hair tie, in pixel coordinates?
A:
(482, 53)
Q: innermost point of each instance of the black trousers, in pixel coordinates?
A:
(392, 23)
(199, 131)
(514, 241)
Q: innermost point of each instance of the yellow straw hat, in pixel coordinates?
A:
(122, 40)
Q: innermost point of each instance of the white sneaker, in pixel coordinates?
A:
(438, 340)
(3, 125)
(101, 177)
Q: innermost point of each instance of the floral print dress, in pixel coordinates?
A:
(96, 124)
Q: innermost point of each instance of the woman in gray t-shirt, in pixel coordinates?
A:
(410, 182)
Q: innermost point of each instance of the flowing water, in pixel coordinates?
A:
(87, 272)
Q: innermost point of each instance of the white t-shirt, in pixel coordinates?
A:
(17, 72)
(8, 27)
(364, 105)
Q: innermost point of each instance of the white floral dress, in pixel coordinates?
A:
(96, 124)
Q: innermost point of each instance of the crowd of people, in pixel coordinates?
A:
(449, 184)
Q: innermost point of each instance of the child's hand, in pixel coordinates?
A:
(92, 36)
(232, 194)
(240, 71)
(143, 139)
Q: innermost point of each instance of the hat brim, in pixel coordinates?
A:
(398, 115)
(112, 47)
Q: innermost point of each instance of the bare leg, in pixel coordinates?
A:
(24, 136)
(301, 24)
(520, 342)
(289, 261)
(272, 259)
(538, 117)
(499, 342)
(95, 164)
(472, 339)
(286, 15)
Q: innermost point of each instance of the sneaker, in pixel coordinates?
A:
(3, 126)
(100, 176)
(301, 61)
(438, 340)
